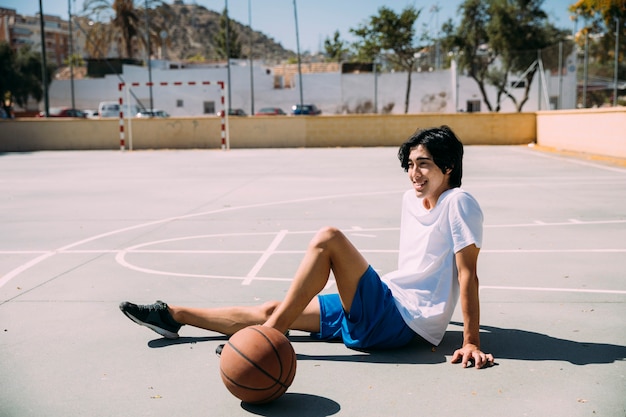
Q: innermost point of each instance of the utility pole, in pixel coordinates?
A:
(585, 68)
(44, 64)
(251, 62)
(375, 84)
(71, 60)
(227, 55)
(435, 9)
(559, 103)
(295, 13)
(616, 60)
(149, 60)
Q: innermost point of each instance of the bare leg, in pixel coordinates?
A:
(228, 320)
(225, 320)
(328, 250)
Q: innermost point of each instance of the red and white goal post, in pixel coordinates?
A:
(126, 87)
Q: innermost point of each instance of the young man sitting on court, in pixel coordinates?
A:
(440, 237)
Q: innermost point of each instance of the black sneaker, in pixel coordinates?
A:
(154, 316)
(219, 349)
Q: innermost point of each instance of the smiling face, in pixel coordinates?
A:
(429, 182)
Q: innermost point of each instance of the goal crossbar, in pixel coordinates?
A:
(223, 113)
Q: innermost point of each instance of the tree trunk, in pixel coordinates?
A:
(483, 92)
(408, 90)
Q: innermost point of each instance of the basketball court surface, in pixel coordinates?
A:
(82, 231)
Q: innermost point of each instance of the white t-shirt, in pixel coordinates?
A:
(425, 287)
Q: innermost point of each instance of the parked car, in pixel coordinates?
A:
(270, 111)
(233, 112)
(305, 109)
(112, 109)
(63, 112)
(91, 114)
(152, 113)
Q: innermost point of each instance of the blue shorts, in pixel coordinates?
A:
(373, 321)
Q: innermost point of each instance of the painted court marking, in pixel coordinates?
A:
(273, 249)
(573, 161)
(15, 272)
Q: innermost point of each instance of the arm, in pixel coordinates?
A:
(466, 261)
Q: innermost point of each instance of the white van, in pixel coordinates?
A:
(112, 109)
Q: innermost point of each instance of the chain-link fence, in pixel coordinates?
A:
(601, 74)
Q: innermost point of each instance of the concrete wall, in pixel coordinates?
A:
(593, 131)
(24, 135)
(333, 92)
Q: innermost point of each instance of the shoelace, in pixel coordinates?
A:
(152, 307)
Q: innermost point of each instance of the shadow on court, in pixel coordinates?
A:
(295, 404)
(512, 344)
(82, 231)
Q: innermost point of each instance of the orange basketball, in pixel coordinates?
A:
(258, 364)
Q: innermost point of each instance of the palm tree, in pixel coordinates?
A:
(98, 37)
(127, 21)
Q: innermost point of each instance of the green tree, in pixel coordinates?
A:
(21, 75)
(234, 45)
(470, 42)
(99, 37)
(601, 18)
(75, 60)
(517, 30)
(498, 38)
(335, 48)
(7, 69)
(392, 34)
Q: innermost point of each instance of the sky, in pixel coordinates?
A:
(317, 20)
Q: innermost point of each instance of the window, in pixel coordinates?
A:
(554, 102)
(279, 82)
(209, 107)
(22, 31)
(179, 103)
(473, 106)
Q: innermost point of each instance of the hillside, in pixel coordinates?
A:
(193, 29)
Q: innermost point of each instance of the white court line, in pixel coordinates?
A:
(13, 273)
(553, 250)
(283, 252)
(542, 289)
(570, 222)
(572, 160)
(22, 252)
(120, 258)
(286, 252)
(120, 255)
(7, 277)
(266, 255)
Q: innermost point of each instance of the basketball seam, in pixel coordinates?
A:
(277, 381)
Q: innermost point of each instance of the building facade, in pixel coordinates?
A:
(256, 86)
(333, 92)
(19, 30)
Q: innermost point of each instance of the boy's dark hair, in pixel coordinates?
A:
(445, 148)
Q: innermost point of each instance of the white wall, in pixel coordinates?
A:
(430, 91)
